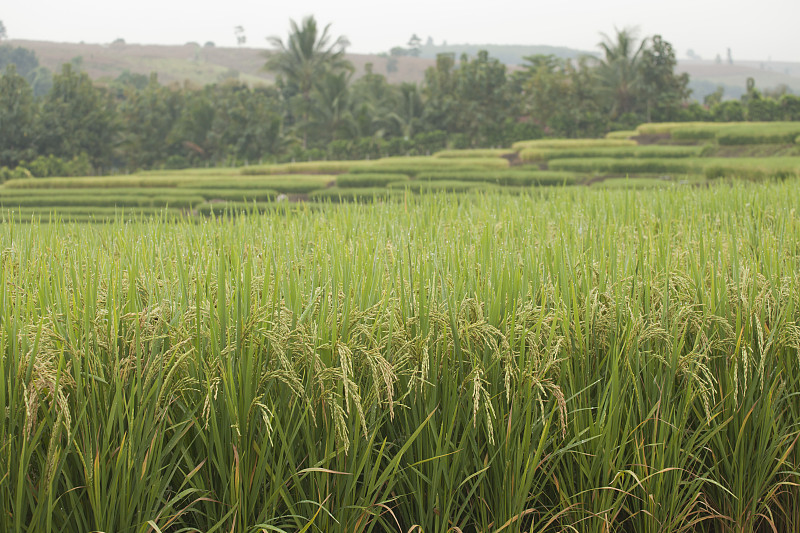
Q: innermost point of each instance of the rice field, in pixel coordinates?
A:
(567, 359)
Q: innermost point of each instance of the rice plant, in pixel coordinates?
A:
(566, 359)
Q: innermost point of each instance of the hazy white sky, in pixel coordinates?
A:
(753, 30)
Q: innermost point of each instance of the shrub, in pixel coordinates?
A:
(52, 166)
(368, 179)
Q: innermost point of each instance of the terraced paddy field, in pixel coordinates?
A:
(563, 358)
(653, 156)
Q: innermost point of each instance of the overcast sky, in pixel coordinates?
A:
(753, 30)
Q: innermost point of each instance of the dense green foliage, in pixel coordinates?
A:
(571, 360)
(317, 110)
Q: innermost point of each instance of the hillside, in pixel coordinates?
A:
(208, 64)
(198, 64)
(707, 75)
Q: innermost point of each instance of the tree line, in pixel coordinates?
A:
(317, 109)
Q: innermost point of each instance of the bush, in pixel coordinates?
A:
(52, 166)
(728, 111)
(368, 179)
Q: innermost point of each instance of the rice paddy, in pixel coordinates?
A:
(563, 359)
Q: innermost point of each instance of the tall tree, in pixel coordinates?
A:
(618, 73)
(440, 93)
(149, 115)
(482, 99)
(332, 111)
(17, 114)
(374, 100)
(247, 123)
(304, 58)
(663, 91)
(77, 118)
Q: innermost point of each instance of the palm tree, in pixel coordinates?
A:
(331, 108)
(407, 116)
(305, 57)
(618, 72)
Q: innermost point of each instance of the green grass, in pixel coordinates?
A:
(508, 177)
(308, 167)
(412, 166)
(442, 185)
(648, 182)
(759, 133)
(569, 359)
(622, 134)
(609, 165)
(475, 152)
(726, 133)
(354, 194)
(132, 200)
(653, 151)
(661, 128)
(368, 180)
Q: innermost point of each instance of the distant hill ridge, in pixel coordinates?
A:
(510, 54)
(203, 65)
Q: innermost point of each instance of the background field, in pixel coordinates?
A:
(655, 155)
